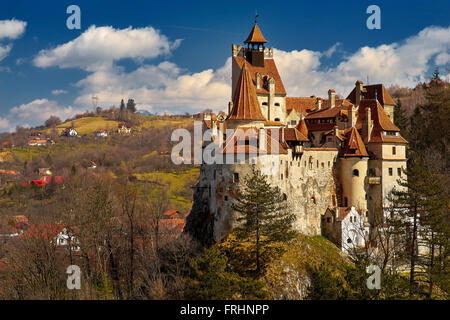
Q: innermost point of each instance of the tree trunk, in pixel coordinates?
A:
(413, 253)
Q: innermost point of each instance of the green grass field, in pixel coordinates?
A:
(176, 184)
(88, 125)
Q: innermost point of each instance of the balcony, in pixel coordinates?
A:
(374, 180)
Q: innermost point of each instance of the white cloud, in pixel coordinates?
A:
(98, 47)
(4, 51)
(167, 87)
(4, 124)
(35, 113)
(403, 63)
(58, 92)
(12, 29)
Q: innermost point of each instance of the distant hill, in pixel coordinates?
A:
(144, 112)
(89, 125)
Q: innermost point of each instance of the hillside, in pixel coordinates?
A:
(289, 277)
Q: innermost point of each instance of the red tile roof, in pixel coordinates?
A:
(381, 122)
(255, 36)
(382, 94)
(46, 232)
(353, 145)
(245, 103)
(300, 104)
(269, 69)
(292, 134)
(234, 143)
(302, 127)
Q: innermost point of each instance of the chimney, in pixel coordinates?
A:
(366, 125)
(262, 140)
(258, 80)
(332, 98)
(358, 90)
(221, 133)
(230, 107)
(319, 103)
(271, 97)
(352, 117)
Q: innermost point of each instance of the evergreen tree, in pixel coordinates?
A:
(210, 279)
(131, 106)
(263, 218)
(435, 75)
(123, 111)
(400, 118)
(414, 203)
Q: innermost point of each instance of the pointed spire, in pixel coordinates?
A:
(303, 128)
(245, 102)
(354, 145)
(255, 35)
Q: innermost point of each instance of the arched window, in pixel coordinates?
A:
(356, 173)
(284, 197)
(277, 119)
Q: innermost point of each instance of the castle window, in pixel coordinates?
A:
(333, 198)
(236, 177)
(293, 122)
(277, 119)
(356, 173)
(277, 104)
(284, 197)
(345, 202)
(390, 172)
(394, 150)
(330, 139)
(323, 165)
(349, 240)
(329, 164)
(399, 172)
(317, 163)
(264, 103)
(328, 220)
(281, 176)
(226, 198)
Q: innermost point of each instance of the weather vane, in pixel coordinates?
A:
(256, 17)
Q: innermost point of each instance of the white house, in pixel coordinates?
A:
(354, 231)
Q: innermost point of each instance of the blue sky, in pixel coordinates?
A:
(174, 55)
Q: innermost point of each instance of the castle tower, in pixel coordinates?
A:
(246, 109)
(353, 171)
(263, 72)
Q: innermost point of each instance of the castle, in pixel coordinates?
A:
(335, 160)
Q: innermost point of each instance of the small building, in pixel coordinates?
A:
(69, 132)
(38, 142)
(346, 227)
(124, 128)
(101, 133)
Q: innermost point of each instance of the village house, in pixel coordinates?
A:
(332, 158)
(101, 133)
(69, 132)
(38, 142)
(124, 128)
